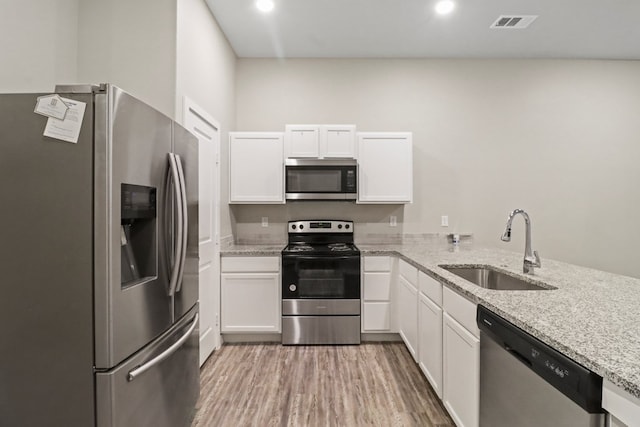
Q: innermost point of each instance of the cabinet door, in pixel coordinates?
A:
(408, 315)
(385, 173)
(430, 342)
(250, 302)
(461, 373)
(338, 141)
(623, 408)
(377, 285)
(302, 141)
(256, 167)
(376, 317)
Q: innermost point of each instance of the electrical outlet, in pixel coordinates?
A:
(216, 319)
(393, 221)
(265, 221)
(444, 221)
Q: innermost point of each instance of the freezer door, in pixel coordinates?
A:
(185, 145)
(132, 305)
(157, 387)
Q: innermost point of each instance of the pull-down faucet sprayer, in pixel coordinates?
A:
(531, 258)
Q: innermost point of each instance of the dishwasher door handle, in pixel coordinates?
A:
(518, 356)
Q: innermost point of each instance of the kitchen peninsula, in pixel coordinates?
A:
(591, 316)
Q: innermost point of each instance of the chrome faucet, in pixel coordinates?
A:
(531, 259)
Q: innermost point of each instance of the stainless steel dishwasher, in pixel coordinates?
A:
(526, 383)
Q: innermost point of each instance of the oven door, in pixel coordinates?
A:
(320, 277)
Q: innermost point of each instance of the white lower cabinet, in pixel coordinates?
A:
(407, 294)
(376, 294)
(461, 360)
(623, 408)
(250, 294)
(430, 330)
(430, 342)
(376, 316)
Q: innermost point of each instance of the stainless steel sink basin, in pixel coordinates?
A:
(490, 278)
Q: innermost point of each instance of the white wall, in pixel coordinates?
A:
(38, 44)
(206, 74)
(556, 138)
(131, 44)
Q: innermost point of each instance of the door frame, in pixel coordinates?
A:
(189, 107)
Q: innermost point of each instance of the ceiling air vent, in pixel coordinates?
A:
(516, 22)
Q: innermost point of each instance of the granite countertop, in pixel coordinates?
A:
(592, 317)
(253, 250)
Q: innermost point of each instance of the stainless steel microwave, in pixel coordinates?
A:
(312, 179)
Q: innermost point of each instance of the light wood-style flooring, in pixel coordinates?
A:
(374, 384)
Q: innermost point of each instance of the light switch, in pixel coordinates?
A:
(444, 221)
(265, 221)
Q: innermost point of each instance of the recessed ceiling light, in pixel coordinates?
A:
(444, 7)
(264, 5)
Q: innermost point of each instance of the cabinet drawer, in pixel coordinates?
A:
(409, 272)
(430, 287)
(377, 286)
(249, 264)
(376, 316)
(377, 263)
(461, 309)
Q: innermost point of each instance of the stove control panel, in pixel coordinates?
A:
(320, 226)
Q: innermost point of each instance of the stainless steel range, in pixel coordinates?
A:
(320, 284)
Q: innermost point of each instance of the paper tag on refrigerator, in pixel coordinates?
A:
(67, 129)
(51, 106)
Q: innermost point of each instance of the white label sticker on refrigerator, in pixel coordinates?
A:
(51, 106)
(67, 129)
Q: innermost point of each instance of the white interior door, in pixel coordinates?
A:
(198, 122)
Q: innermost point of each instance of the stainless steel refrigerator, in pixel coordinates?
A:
(98, 265)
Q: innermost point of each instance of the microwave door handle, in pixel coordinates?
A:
(175, 178)
(185, 222)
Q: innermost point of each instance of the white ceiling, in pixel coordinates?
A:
(590, 29)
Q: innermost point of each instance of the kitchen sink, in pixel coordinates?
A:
(490, 278)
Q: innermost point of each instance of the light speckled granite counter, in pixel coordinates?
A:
(253, 250)
(593, 317)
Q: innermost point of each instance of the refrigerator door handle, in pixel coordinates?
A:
(185, 221)
(139, 370)
(175, 268)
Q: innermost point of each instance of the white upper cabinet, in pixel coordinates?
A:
(302, 141)
(385, 173)
(338, 141)
(256, 167)
(320, 141)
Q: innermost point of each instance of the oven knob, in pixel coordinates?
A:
(346, 226)
(293, 226)
(339, 226)
(301, 226)
(292, 288)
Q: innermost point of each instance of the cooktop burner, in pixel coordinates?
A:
(299, 247)
(310, 238)
(340, 247)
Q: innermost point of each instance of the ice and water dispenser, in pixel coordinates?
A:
(138, 234)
